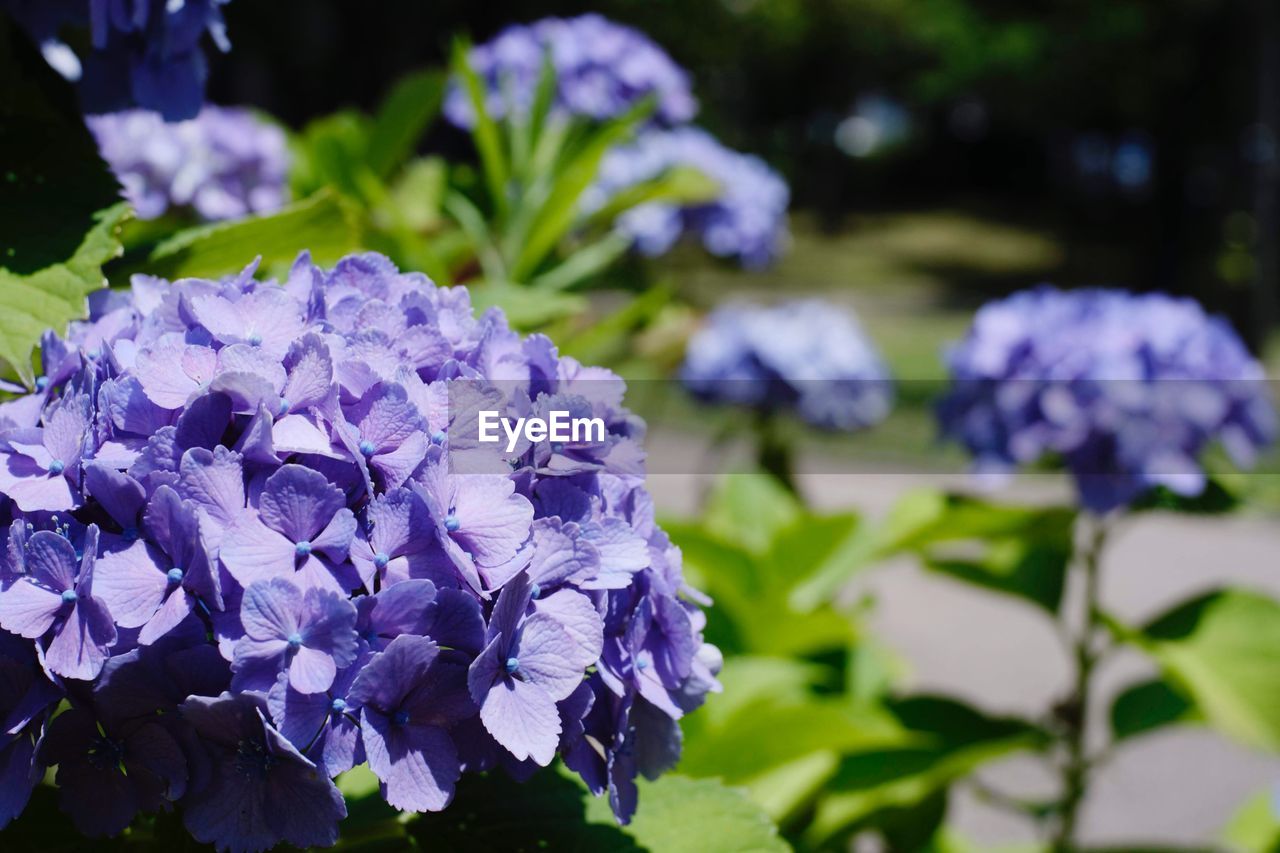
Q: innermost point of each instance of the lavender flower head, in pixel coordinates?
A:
(225, 163)
(805, 355)
(602, 69)
(142, 53)
(746, 221)
(1127, 390)
(243, 545)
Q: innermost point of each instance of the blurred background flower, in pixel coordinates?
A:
(223, 164)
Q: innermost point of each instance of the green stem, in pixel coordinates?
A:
(1075, 770)
(773, 451)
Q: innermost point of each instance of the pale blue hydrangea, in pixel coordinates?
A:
(1126, 390)
(808, 355)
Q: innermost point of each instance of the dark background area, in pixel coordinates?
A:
(1142, 132)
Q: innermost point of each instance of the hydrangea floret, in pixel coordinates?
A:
(141, 53)
(602, 69)
(225, 163)
(808, 356)
(746, 220)
(243, 556)
(1126, 390)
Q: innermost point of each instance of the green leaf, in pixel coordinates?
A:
(405, 113)
(53, 183)
(681, 186)
(684, 815)
(1220, 650)
(915, 512)
(416, 198)
(474, 225)
(553, 812)
(1255, 828)
(1148, 706)
(560, 211)
(526, 308)
(331, 152)
(1021, 551)
(750, 509)
(584, 263)
(51, 297)
(493, 161)
(321, 224)
(958, 740)
(1215, 499)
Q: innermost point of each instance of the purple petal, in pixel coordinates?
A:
(116, 492)
(132, 583)
(51, 560)
(549, 656)
(214, 481)
(418, 765)
(299, 502)
(577, 615)
(522, 717)
(311, 670)
(252, 552)
(270, 610)
(28, 608)
(80, 648)
(178, 606)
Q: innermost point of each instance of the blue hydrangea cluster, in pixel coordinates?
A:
(747, 221)
(807, 355)
(143, 53)
(239, 551)
(225, 163)
(602, 70)
(1126, 390)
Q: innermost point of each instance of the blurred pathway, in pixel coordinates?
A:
(1178, 786)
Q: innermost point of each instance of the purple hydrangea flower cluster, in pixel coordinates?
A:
(1127, 390)
(807, 355)
(746, 221)
(239, 547)
(602, 70)
(144, 53)
(223, 164)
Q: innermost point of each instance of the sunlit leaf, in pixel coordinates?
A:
(321, 224)
(1148, 706)
(412, 104)
(1220, 650)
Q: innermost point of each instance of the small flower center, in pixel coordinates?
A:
(535, 591)
(512, 665)
(295, 640)
(175, 575)
(56, 467)
(255, 340)
(338, 705)
(69, 596)
(303, 548)
(451, 522)
(367, 448)
(284, 406)
(105, 753)
(380, 560)
(437, 437)
(253, 760)
(557, 447)
(642, 664)
(401, 718)
(42, 383)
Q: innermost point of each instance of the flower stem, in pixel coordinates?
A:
(773, 451)
(1075, 711)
